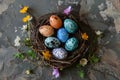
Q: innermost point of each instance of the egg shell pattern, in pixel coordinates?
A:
(60, 53)
(55, 21)
(70, 25)
(71, 44)
(46, 30)
(52, 42)
(62, 35)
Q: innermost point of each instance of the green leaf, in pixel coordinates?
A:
(31, 54)
(27, 42)
(22, 56)
(19, 55)
(94, 59)
(78, 66)
(81, 74)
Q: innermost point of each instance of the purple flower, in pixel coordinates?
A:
(67, 10)
(56, 73)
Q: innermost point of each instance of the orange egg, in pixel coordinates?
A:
(55, 21)
(46, 30)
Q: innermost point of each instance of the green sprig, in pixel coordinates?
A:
(31, 54)
(81, 74)
(94, 59)
(19, 55)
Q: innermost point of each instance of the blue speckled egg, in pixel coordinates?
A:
(70, 26)
(60, 53)
(71, 44)
(62, 35)
(52, 42)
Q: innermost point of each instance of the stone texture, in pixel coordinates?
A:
(1, 65)
(101, 15)
(4, 4)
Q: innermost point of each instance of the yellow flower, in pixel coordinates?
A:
(26, 18)
(84, 36)
(46, 54)
(83, 61)
(24, 9)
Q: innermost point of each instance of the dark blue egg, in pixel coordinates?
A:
(52, 42)
(70, 25)
(71, 44)
(62, 35)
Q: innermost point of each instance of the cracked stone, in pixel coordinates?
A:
(1, 65)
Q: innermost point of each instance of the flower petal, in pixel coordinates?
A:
(24, 9)
(67, 10)
(56, 73)
(83, 61)
(17, 41)
(84, 36)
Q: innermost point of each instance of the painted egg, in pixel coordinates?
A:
(71, 44)
(62, 35)
(70, 25)
(55, 21)
(60, 53)
(52, 42)
(46, 30)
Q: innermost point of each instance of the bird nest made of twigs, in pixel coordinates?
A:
(85, 46)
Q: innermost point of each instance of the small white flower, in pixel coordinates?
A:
(27, 39)
(17, 41)
(27, 71)
(24, 28)
(30, 18)
(83, 61)
(98, 33)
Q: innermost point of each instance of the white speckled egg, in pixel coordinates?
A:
(60, 53)
(46, 30)
(52, 42)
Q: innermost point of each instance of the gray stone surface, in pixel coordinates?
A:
(4, 5)
(102, 15)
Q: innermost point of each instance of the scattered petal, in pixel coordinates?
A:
(67, 10)
(56, 73)
(84, 36)
(83, 61)
(24, 28)
(46, 54)
(30, 18)
(98, 32)
(17, 41)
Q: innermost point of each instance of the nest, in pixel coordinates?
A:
(84, 45)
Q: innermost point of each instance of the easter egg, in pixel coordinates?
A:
(46, 30)
(55, 21)
(62, 35)
(52, 42)
(60, 53)
(71, 44)
(70, 26)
